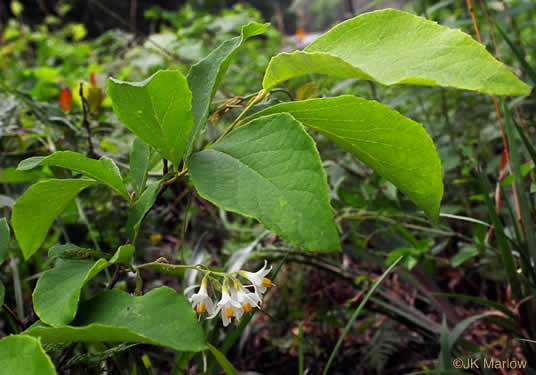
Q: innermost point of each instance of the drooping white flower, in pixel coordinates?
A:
(246, 299)
(201, 301)
(228, 306)
(258, 279)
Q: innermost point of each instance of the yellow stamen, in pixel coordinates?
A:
(228, 312)
(201, 308)
(247, 307)
(267, 283)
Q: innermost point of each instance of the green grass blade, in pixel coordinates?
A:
(445, 362)
(524, 204)
(505, 250)
(356, 314)
(480, 301)
(530, 71)
(530, 148)
(227, 367)
(460, 328)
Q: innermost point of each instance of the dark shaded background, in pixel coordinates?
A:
(99, 16)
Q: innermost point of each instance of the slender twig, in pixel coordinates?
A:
(126, 23)
(14, 316)
(259, 97)
(164, 265)
(491, 29)
(115, 277)
(85, 122)
(499, 119)
(165, 168)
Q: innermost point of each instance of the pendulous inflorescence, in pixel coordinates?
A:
(236, 298)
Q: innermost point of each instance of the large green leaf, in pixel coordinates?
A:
(140, 156)
(103, 170)
(37, 208)
(157, 110)
(205, 76)
(160, 317)
(4, 239)
(57, 293)
(393, 145)
(394, 47)
(270, 170)
(23, 355)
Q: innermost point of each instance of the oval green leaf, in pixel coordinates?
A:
(36, 209)
(160, 317)
(394, 47)
(103, 170)
(158, 110)
(57, 292)
(23, 355)
(270, 170)
(396, 147)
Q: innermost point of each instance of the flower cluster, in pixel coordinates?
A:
(236, 299)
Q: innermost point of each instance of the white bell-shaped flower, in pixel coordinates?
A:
(246, 299)
(258, 279)
(228, 307)
(201, 301)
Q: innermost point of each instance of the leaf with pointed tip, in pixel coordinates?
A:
(205, 76)
(270, 169)
(396, 147)
(23, 355)
(38, 207)
(123, 255)
(139, 209)
(57, 292)
(160, 317)
(140, 156)
(394, 47)
(103, 170)
(158, 110)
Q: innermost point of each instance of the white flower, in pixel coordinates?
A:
(244, 297)
(200, 301)
(228, 306)
(258, 279)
